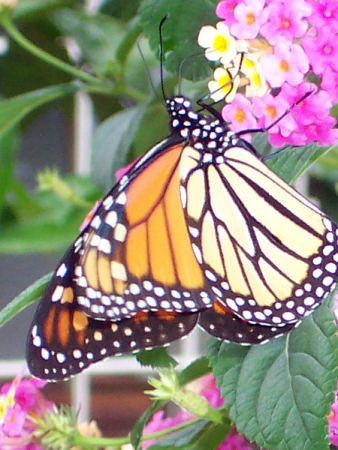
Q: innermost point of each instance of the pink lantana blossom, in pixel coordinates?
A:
(286, 20)
(324, 12)
(330, 82)
(20, 402)
(287, 63)
(249, 18)
(120, 173)
(239, 115)
(333, 416)
(322, 50)
(225, 10)
(269, 109)
(311, 117)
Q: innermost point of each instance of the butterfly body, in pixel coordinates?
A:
(198, 230)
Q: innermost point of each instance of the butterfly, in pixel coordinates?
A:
(198, 231)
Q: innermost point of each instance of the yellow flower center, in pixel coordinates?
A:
(284, 66)
(250, 18)
(256, 79)
(285, 23)
(225, 83)
(248, 64)
(239, 115)
(271, 111)
(328, 49)
(221, 44)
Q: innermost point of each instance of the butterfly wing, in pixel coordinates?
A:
(64, 341)
(269, 254)
(222, 323)
(136, 253)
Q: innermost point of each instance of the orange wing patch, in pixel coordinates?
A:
(137, 253)
(158, 245)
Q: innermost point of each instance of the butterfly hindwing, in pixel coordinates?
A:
(63, 341)
(222, 323)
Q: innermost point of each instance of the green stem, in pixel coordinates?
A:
(102, 442)
(96, 85)
(21, 40)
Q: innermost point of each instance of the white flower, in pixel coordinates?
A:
(218, 42)
(224, 85)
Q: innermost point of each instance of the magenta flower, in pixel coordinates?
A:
(324, 12)
(205, 386)
(330, 83)
(268, 109)
(333, 417)
(288, 63)
(286, 20)
(300, 41)
(311, 116)
(124, 170)
(249, 18)
(225, 10)
(322, 50)
(239, 115)
(20, 403)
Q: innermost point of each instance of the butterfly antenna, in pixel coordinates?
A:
(272, 124)
(147, 69)
(162, 54)
(180, 69)
(201, 103)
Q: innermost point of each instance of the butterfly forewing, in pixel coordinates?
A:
(136, 253)
(269, 254)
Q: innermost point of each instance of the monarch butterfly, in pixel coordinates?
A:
(199, 230)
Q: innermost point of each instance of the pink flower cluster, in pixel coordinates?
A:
(205, 386)
(295, 42)
(333, 421)
(20, 402)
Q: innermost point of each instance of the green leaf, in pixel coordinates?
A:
(28, 296)
(157, 357)
(136, 433)
(153, 128)
(290, 163)
(195, 370)
(112, 141)
(120, 8)
(98, 36)
(203, 435)
(8, 150)
(330, 161)
(279, 393)
(16, 108)
(54, 223)
(35, 8)
(180, 33)
(133, 31)
(33, 236)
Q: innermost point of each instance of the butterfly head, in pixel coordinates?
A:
(205, 133)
